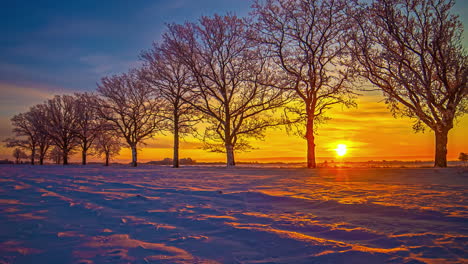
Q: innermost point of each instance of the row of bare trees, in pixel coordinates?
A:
(286, 64)
(62, 125)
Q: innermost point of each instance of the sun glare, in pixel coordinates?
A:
(341, 150)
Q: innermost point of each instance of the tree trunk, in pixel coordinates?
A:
(310, 143)
(107, 158)
(65, 157)
(83, 157)
(230, 155)
(175, 160)
(441, 139)
(134, 155)
(42, 153)
(33, 154)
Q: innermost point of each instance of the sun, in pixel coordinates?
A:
(341, 150)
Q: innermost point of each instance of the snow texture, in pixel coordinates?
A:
(151, 214)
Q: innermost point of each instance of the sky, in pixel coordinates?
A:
(55, 47)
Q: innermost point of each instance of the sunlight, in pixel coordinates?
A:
(341, 150)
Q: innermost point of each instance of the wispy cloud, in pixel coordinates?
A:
(102, 64)
(16, 98)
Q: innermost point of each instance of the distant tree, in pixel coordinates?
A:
(463, 157)
(230, 72)
(172, 80)
(56, 155)
(61, 123)
(22, 144)
(187, 161)
(107, 144)
(19, 154)
(131, 105)
(307, 41)
(166, 161)
(412, 51)
(89, 124)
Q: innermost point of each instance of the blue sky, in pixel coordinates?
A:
(70, 45)
(52, 47)
(64, 46)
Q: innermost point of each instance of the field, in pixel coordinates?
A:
(153, 214)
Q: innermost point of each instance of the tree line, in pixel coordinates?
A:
(286, 64)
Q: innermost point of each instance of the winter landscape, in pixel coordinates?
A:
(155, 214)
(220, 131)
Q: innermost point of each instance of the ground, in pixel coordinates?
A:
(151, 214)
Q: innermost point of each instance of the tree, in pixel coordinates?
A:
(39, 117)
(307, 41)
(463, 157)
(18, 143)
(89, 125)
(130, 104)
(107, 144)
(230, 73)
(60, 123)
(23, 127)
(18, 154)
(56, 155)
(412, 51)
(172, 80)
(30, 136)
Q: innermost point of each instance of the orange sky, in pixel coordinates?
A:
(369, 131)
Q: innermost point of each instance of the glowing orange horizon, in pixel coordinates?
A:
(369, 132)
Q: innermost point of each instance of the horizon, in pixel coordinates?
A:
(76, 159)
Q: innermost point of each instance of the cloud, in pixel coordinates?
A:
(5, 128)
(102, 64)
(65, 27)
(17, 98)
(61, 78)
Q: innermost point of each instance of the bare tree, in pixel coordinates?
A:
(412, 50)
(39, 117)
(172, 80)
(22, 144)
(56, 155)
(230, 73)
(307, 41)
(19, 154)
(130, 104)
(107, 144)
(463, 157)
(27, 133)
(89, 125)
(60, 123)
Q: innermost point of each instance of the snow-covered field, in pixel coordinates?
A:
(55, 214)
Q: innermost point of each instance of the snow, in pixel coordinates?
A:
(152, 214)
